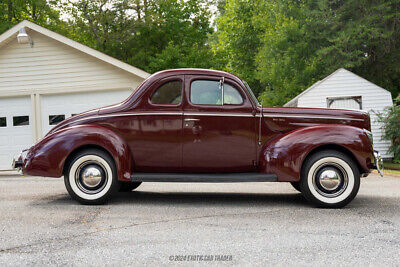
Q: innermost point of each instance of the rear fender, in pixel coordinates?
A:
(284, 155)
(47, 157)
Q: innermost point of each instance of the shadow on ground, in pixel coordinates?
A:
(188, 199)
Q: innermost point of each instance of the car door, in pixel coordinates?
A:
(156, 142)
(219, 126)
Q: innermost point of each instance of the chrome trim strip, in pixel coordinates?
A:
(248, 115)
(130, 114)
(220, 114)
(310, 117)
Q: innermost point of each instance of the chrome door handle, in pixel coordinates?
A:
(191, 119)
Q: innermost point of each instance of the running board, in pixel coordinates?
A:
(204, 177)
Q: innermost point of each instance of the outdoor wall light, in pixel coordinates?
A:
(24, 38)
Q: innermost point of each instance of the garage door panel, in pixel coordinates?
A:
(14, 138)
(3, 141)
(68, 104)
(22, 140)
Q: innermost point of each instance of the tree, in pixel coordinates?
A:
(237, 39)
(290, 44)
(391, 128)
(38, 11)
(150, 34)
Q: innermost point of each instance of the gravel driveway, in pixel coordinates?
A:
(240, 224)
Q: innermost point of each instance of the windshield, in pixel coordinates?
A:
(251, 93)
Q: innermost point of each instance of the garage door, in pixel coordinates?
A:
(15, 128)
(56, 108)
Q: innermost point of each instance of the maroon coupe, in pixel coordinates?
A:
(194, 125)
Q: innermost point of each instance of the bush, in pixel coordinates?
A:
(391, 128)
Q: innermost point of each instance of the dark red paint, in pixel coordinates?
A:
(216, 139)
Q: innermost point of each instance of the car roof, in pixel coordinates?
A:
(194, 71)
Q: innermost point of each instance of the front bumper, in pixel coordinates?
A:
(18, 161)
(378, 162)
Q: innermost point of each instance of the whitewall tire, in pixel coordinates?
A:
(91, 177)
(330, 179)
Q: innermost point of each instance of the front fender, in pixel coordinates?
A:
(285, 154)
(47, 157)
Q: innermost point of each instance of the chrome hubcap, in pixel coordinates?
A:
(330, 179)
(91, 177)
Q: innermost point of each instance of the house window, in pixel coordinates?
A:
(3, 122)
(55, 119)
(170, 93)
(20, 120)
(346, 102)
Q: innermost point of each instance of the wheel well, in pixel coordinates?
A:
(81, 148)
(332, 147)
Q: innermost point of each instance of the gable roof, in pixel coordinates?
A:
(293, 102)
(12, 33)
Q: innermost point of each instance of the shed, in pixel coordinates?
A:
(50, 78)
(346, 90)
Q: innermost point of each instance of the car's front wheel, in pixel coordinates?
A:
(330, 179)
(91, 177)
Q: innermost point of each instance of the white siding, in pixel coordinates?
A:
(49, 64)
(52, 78)
(345, 83)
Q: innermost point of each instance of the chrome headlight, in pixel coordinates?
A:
(24, 153)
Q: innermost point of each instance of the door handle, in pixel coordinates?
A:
(189, 120)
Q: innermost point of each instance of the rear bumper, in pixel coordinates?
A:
(378, 162)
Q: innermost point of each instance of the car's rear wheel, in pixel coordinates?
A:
(91, 177)
(128, 187)
(330, 179)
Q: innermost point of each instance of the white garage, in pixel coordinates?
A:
(46, 77)
(346, 90)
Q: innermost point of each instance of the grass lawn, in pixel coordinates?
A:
(391, 171)
(388, 165)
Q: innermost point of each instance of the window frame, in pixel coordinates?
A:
(160, 83)
(217, 79)
(357, 98)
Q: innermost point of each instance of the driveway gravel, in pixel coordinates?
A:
(197, 224)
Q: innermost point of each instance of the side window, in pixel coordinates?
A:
(232, 95)
(207, 92)
(169, 93)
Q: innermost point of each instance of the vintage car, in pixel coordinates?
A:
(195, 125)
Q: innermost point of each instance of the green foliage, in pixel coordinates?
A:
(293, 43)
(391, 128)
(237, 40)
(39, 11)
(152, 35)
(280, 47)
